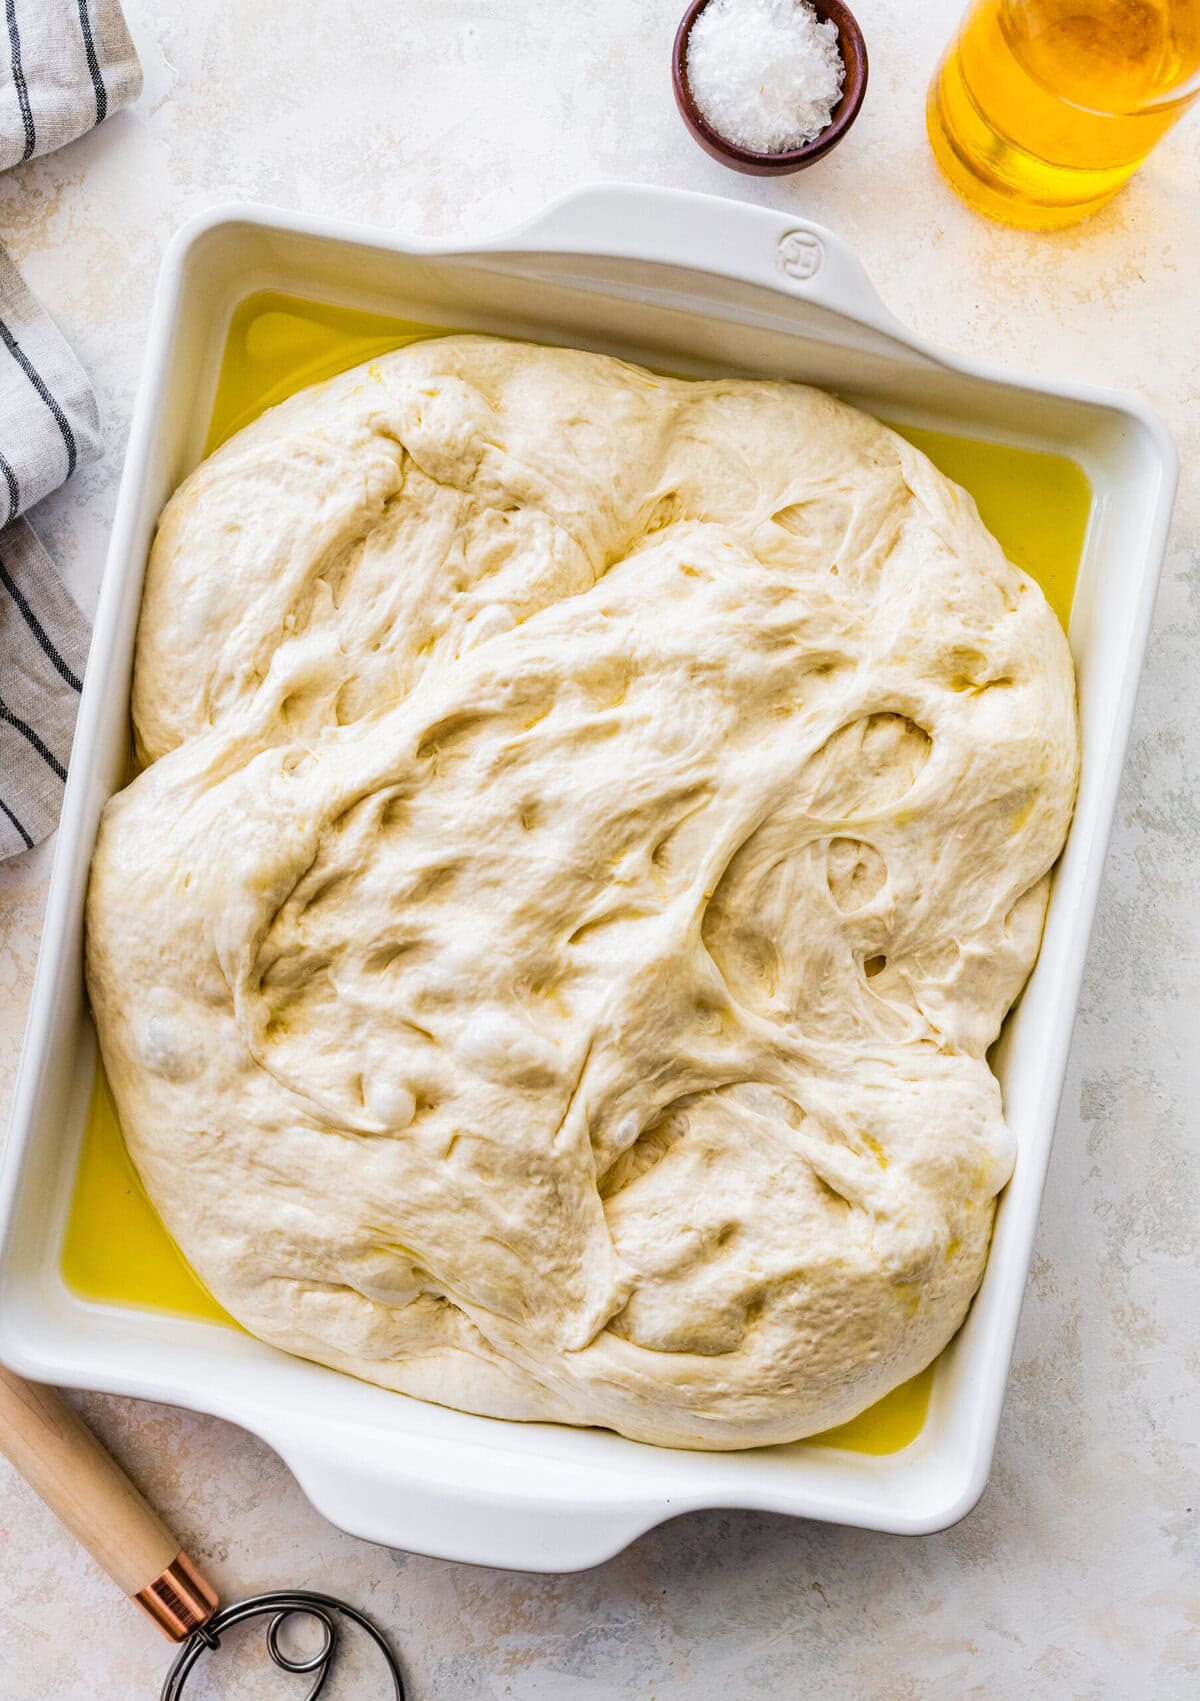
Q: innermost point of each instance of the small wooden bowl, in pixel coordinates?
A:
(854, 87)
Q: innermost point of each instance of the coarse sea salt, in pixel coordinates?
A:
(766, 74)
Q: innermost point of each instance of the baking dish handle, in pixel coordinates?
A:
(534, 1514)
(709, 234)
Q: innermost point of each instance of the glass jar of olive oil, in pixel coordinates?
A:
(1042, 109)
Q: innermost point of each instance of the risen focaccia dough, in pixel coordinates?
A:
(592, 829)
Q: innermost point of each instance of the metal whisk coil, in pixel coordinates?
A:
(280, 1605)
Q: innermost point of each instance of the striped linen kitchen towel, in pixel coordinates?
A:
(70, 63)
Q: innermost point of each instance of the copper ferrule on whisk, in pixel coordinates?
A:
(179, 1600)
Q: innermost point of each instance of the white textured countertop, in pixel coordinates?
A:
(1075, 1577)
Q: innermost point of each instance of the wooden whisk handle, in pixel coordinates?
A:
(63, 1462)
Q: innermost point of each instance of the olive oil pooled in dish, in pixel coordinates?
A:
(116, 1250)
(278, 344)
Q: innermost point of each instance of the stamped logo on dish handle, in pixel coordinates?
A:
(801, 255)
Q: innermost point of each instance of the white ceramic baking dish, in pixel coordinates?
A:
(694, 285)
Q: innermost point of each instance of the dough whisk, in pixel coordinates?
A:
(66, 1465)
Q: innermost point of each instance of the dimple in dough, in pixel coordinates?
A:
(591, 828)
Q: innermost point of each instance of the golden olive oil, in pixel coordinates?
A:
(116, 1250)
(277, 344)
(1037, 504)
(1042, 109)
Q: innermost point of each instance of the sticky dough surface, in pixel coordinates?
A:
(592, 828)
